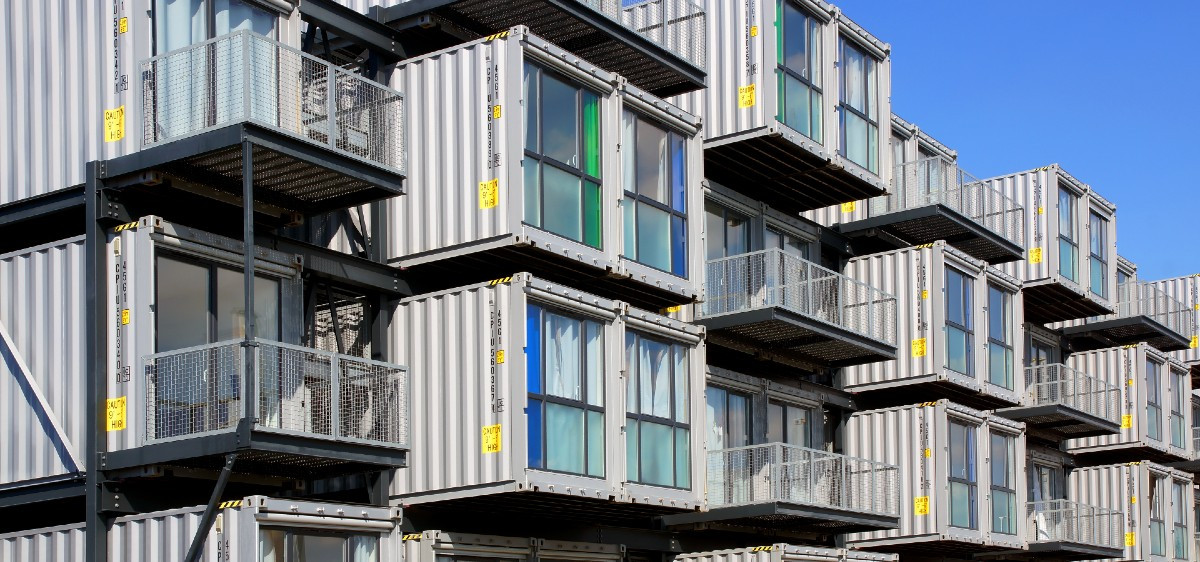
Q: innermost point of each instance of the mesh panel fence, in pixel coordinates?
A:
(1059, 384)
(1068, 521)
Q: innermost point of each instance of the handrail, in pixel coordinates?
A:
(1069, 521)
(1058, 384)
(675, 25)
(1140, 298)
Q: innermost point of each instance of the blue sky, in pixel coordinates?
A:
(1108, 89)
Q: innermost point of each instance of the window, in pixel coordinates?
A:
(1158, 531)
(1179, 512)
(728, 418)
(728, 232)
(859, 106)
(1153, 400)
(790, 244)
(898, 158)
(1045, 482)
(787, 423)
(1068, 257)
(1098, 242)
(1000, 338)
(562, 157)
(657, 427)
(179, 23)
(962, 476)
(1004, 484)
(958, 322)
(799, 71)
(1179, 398)
(284, 545)
(1041, 353)
(199, 302)
(565, 378)
(655, 202)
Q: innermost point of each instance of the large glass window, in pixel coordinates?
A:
(1004, 484)
(788, 423)
(201, 302)
(963, 479)
(1098, 242)
(789, 243)
(1158, 525)
(287, 545)
(179, 23)
(657, 430)
(1068, 245)
(728, 414)
(655, 204)
(1153, 400)
(562, 157)
(565, 378)
(959, 328)
(728, 233)
(859, 106)
(799, 72)
(1179, 398)
(1000, 337)
(1179, 514)
(1045, 482)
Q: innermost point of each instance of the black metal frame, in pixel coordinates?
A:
(1062, 422)
(784, 516)
(724, 330)
(1128, 330)
(924, 225)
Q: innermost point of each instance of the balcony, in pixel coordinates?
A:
(1145, 313)
(1063, 403)
(299, 411)
(658, 45)
(1073, 531)
(933, 199)
(781, 486)
(774, 302)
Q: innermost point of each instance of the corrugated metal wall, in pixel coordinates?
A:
(441, 546)
(139, 538)
(1186, 290)
(1126, 488)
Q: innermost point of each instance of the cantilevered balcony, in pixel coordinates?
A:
(1145, 313)
(933, 199)
(1068, 530)
(297, 412)
(1063, 403)
(658, 45)
(785, 487)
(773, 302)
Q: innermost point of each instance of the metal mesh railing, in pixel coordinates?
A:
(1196, 445)
(1139, 298)
(1068, 521)
(1056, 383)
(244, 77)
(675, 25)
(787, 473)
(773, 278)
(936, 181)
(299, 390)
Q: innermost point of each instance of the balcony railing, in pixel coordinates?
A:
(1196, 445)
(244, 77)
(1138, 298)
(1058, 384)
(675, 25)
(309, 392)
(1068, 521)
(772, 278)
(798, 475)
(936, 181)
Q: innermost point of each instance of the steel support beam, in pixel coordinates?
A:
(96, 351)
(354, 27)
(210, 512)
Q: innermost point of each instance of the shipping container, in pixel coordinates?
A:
(1155, 405)
(518, 160)
(1186, 289)
(443, 546)
(1069, 270)
(1057, 524)
(782, 552)
(524, 389)
(1157, 502)
(251, 529)
(958, 333)
(778, 123)
(961, 477)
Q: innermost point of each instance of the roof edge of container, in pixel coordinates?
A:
(882, 49)
(693, 122)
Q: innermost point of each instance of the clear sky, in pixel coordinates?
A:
(1110, 90)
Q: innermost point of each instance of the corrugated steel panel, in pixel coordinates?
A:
(917, 276)
(451, 341)
(1125, 367)
(442, 546)
(1186, 290)
(1126, 488)
(916, 439)
(782, 552)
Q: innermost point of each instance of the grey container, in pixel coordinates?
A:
(916, 438)
(245, 530)
(1185, 289)
(471, 343)
(443, 546)
(783, 552)
(466, 199)
(1127, 368)
(1128, 488)
(917, 276)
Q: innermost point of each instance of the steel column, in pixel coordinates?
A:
(96, 533)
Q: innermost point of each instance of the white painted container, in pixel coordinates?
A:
(1133, 489)
(443, 546)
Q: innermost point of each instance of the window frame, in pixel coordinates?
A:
(1175, 382)
(632, 370)
(728, 392)
(1070, 236)
(1158, 518)
(971, 480)
(784, 406)
(210, 22)
(634, 199)
(1098, 222)
(1008, 488)
(870, 72)
(1005, 341)
(1154, 400)
(290, 535)
(726, 213)
(1179, 523)
(816, 93)
(969, 327)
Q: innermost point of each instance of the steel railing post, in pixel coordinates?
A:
(335, 393)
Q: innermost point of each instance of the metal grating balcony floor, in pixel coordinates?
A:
(1124, 331)
(783, 516)
(929, 224)
(1061, 422)
(1049, 301)
(1056, 550)
(782, 332)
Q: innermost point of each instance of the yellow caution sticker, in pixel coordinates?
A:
(849, 207)
(1035, 255)
(115, 414)
(124, 316)
(1132, 499)
(490, 437)
(500, 281)
(921, 505)
(1129, 382)
(114, 124)
(754, 31)
(489, 194)
(123, 25)
(918, 347)
(1041, 210)
(499, 356)
(1196, 306)
(126, 226)
(1130, 539)
(761, 548)
(672, 309)
(230, 503)
(1194, 342)
(496, 111)
(411, 537)
(495, 36)
(1126, 421)
(924, 294)
(928, 452)
(746, 96)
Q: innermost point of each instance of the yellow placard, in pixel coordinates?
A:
(925, 294)
(921, 505)
(114, 124)
(754, 31)
(672, 309)
(1035, 255)
(1041, 210)
(1130, 539)
(499, 356)
(496, 111)
(918, 347)
(1196, 307)
(928, 452)
(849, 207)
(490, 439)
(1126, 421)
(1195, 342)
(123, 25)
(489, 194)
(115, 414)
(124, 316)
(746, 96)
(1132, 499)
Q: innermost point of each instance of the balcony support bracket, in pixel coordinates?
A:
(210, 512)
